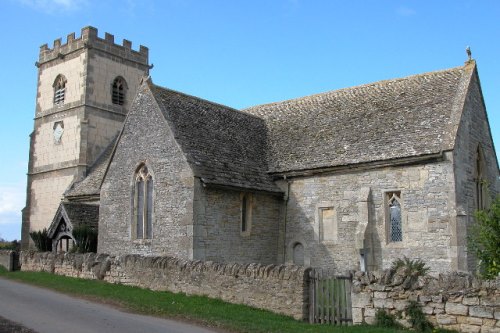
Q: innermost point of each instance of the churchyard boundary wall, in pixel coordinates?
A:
(278, 288)
(9, 259)
(456, 301)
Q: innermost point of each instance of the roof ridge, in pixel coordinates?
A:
(229, 108)
(365, 85)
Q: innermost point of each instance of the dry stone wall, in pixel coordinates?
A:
(9, 259)
(456, 301)
(281, 289)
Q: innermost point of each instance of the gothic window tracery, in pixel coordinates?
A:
(395, 221)
(118, 90)
(143, 203)
(59, 89)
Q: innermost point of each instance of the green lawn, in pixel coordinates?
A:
(203, 310)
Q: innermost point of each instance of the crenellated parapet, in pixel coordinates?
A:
(90, 40)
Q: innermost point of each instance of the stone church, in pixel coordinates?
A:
(347, 179)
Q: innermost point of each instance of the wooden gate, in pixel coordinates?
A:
(329, 299)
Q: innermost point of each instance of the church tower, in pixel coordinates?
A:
(85, 88)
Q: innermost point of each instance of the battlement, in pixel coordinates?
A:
(89, 39)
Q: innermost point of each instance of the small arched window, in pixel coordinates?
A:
(395, 222)
(298, 254)
(118, 90)
(143, 203)
(59, 89)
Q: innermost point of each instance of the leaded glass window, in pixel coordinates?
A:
(395, 221)
(143, 203)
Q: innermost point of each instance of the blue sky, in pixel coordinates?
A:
(243, 53)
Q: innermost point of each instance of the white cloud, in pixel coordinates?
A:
(406, 11)
(12, 200)
(53, 6)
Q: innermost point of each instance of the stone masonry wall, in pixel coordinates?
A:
(9, 259)
(472, 133)
(454, 301)
(281, 289)
(173, 187)
(217, 231)
(357, 207)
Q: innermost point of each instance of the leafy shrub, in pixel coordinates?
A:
(484, 239)
(42, 241)
(416, 267)
(417, 318)
(5, 245)
(384, 319)
(85, 239)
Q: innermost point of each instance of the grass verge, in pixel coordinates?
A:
(202, 310)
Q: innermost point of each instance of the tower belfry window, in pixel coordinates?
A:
(59, 89)
(118, 90)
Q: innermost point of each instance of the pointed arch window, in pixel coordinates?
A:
(395, 221)
(59, 89)
(118, 91)
(143, 203)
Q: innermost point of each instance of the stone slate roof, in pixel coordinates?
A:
(386, 120)
(75, 214)
(224, 146)
(91, 185)
(407, 117)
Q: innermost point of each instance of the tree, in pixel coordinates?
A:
(484, 239)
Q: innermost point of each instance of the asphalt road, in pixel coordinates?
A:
(46, 311)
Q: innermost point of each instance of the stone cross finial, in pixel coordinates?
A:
(469, 53)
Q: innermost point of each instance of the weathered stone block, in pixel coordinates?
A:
(400, 304)
(456, 308)
(437, 299)
(385, 303)
(444, 319)
(465, 328)
(357, 315)
(424, 298)
(489, 322)
(380, 294)
(360, 300)
(471, 300)
(481, 311)
(490, 329)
